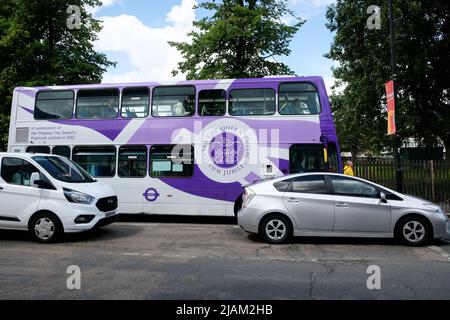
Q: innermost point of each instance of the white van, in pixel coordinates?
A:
(49, 195)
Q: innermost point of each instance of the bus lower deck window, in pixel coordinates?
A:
(98, 161)
(132, 161)
(171, 160)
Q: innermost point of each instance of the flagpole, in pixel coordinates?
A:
(397, 142)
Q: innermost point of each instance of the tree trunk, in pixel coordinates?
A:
(354, 153)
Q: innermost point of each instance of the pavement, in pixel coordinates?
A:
(207, 258)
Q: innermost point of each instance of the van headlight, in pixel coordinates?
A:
(78, 197)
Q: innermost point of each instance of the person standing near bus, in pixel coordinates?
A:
(348, 168)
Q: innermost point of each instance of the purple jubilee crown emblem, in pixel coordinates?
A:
(226, 150)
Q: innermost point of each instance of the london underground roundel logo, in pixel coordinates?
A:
(151, 194)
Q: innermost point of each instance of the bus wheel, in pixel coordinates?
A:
(237, 205)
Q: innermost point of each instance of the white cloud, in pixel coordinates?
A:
(309, 8)
(315, 3)
(105, 3)
(150, 56)
(182, 15)
(329, 82)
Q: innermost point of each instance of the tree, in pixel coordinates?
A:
(238, 39)
(38, 48)
(422, 43)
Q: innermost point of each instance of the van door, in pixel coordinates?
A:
(18, 199)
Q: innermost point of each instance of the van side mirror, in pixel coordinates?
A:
(37, 182)
(35, 179)
(383, 197)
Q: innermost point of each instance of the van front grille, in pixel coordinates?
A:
(107, 204)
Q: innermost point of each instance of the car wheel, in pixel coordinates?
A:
(45, 228)
(413, 231)
(276, 229)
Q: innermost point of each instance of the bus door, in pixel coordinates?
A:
(306, 158)
(332, 156)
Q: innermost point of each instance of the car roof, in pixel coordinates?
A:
(26, 154)
(294, 175)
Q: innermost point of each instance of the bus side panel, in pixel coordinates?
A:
(12, 121)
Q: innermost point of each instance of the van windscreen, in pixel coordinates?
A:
(63, 169)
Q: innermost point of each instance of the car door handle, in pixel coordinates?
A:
(341, 205)
(292, 200)
(1, 188)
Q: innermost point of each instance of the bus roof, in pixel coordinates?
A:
(267, 79)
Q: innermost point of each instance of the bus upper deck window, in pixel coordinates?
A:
(54, 105)
(97, 104)
(298, 98)
(249, 102)
(135, 102)
(173, 101)
(211, 102)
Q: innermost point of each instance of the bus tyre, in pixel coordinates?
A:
(275, 229)
(413, 231)
(237, 205)
(45, 228)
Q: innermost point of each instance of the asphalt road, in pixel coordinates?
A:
(214, 259)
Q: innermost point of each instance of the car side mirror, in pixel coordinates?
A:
(383, 197)
(35, 179)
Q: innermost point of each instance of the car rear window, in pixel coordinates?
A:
(282, 186)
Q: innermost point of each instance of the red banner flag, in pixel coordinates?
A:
(390, 107)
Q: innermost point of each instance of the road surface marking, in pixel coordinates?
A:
(441, 252)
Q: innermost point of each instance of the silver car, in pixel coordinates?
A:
(328, 204)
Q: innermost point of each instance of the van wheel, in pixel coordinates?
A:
(45, 228)
(275, 229)
(413, 231)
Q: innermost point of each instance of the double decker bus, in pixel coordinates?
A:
(182, 147)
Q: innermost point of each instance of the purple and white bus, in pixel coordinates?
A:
(181, 147)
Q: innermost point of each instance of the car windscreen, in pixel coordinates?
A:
(63, 169)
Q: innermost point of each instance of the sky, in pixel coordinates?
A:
(135, 35)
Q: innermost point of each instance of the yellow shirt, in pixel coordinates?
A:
(348, 171)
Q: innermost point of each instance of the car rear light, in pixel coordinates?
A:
(247, 197)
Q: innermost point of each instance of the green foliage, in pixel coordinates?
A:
(237, 39)
(422, 43)
(37, 48)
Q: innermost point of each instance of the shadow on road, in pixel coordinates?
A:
(176, 219)
(344, 241)
(13, 235)
(102, 234)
